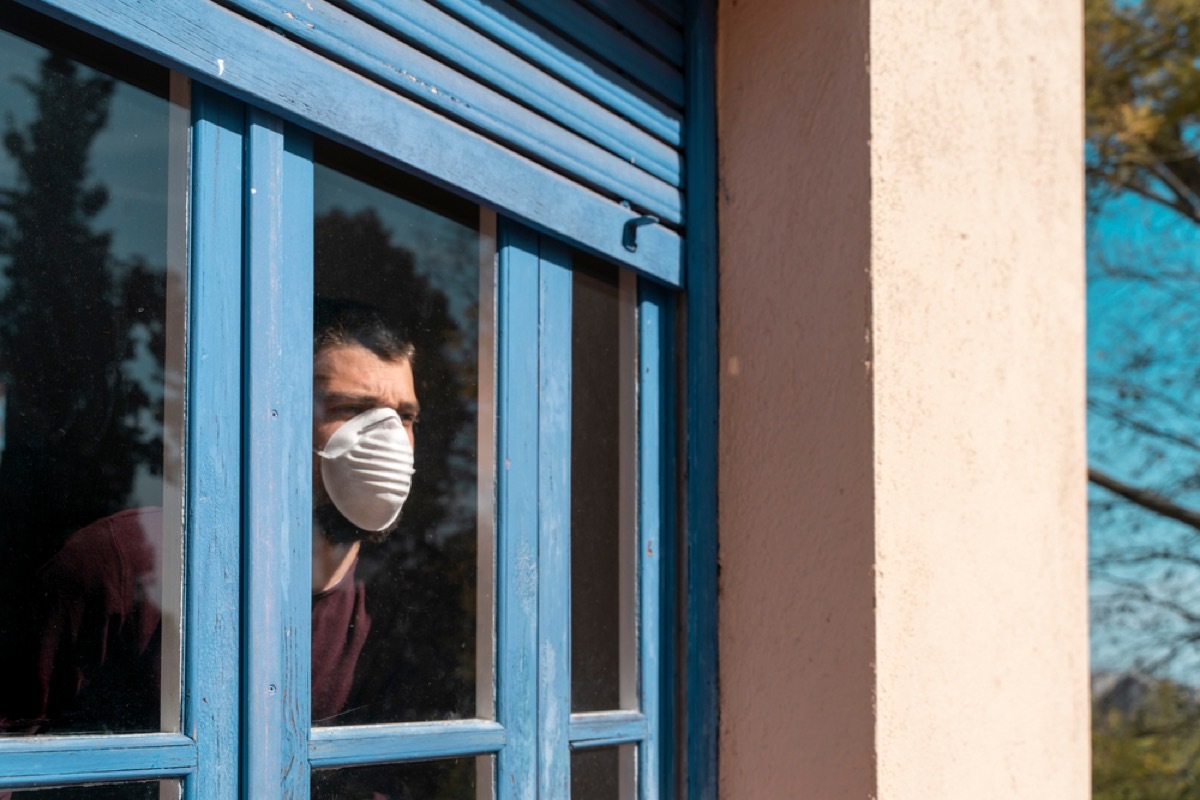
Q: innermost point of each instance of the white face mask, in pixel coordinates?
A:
(367, 466)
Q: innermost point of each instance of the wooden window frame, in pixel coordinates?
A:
(251, 216)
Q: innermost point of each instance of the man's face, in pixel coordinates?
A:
(348, 380)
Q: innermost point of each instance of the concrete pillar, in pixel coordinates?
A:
(902, 464)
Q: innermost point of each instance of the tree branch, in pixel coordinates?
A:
(1148, 500)
(1169, 174)
(1176, 205)
(1120, 417)
(1140, 557)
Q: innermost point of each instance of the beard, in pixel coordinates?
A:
(336, 529)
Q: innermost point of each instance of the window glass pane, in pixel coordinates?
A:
(93, 167)
(140, 790)
(604, 773)
(451, 779)
(398, 266)
(603, 386)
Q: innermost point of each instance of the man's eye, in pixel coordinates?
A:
(348, 411)
(409, 420)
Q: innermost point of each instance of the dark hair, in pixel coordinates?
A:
(338, 322)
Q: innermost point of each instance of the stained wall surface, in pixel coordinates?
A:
(795, 483)
(902, 480)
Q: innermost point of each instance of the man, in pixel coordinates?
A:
(364, 414)
(95, 663)
(359, 365)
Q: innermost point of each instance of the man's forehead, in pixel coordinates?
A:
(339, 357)
(353, 364)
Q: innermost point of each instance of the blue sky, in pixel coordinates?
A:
(1144, 363)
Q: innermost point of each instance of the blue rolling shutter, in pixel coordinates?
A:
(565, 115)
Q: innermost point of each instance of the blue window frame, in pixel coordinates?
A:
(247, 504)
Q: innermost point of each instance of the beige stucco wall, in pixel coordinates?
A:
(902, 508)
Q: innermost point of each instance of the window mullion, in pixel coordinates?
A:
(554, 521)
(655, 446)
(278, 433)
(212, 631)
(517, 509)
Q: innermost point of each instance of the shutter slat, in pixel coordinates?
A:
(539, 45)
(374, 54)
(648, 27)
(609, 117)
(496, 66)
(576, 26)
(670, 10)
(637, 30)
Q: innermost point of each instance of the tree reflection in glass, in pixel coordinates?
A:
(388, 243)
(90, 380)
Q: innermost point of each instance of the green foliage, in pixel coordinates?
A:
(1143, 138)
(1143, 99)
(1148, 753)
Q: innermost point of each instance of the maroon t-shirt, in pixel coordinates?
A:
(339, 628)
(95, 663)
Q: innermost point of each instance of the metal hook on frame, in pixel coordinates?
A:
(629, 235)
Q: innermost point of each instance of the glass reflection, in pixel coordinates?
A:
(450, 779)
(604, 773)
(403, 309)
(140, 790)
(92, 171)
(603, 396)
